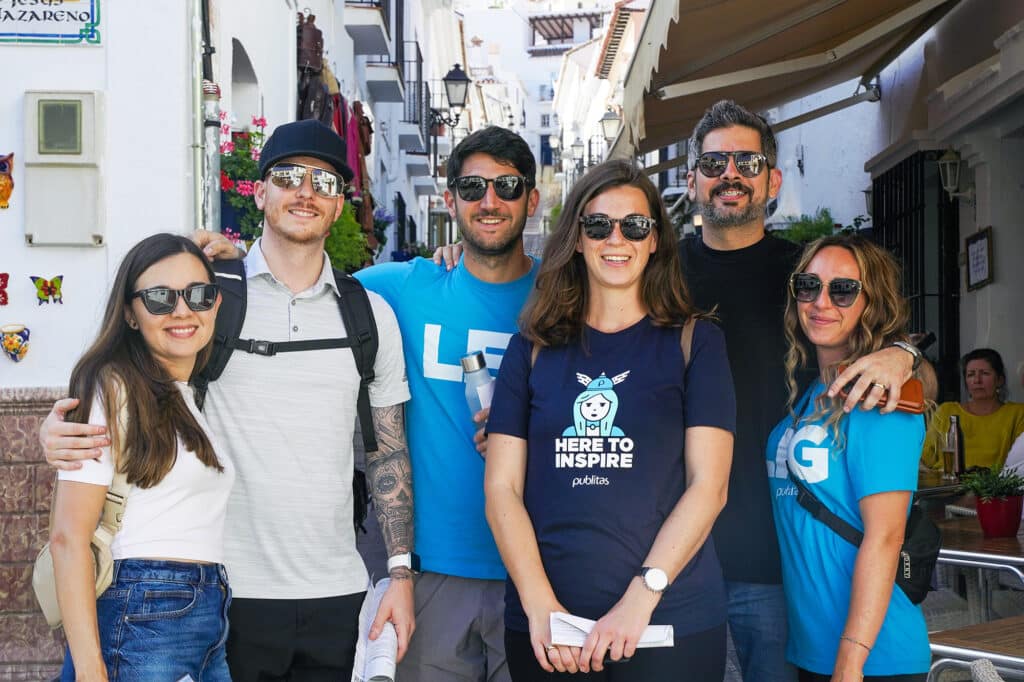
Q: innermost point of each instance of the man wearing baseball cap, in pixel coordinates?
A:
(287, 422)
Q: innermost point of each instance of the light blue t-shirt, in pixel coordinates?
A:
(880, 454)
(444, 315)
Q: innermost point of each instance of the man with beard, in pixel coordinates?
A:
(743, 272)
(443, 315)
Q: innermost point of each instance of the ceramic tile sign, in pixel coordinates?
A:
(47, 22)
(48, 290)
(6, 179)
(14, 340)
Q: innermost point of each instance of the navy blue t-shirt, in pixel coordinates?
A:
(605, 432)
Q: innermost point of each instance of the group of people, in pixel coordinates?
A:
(619, 475)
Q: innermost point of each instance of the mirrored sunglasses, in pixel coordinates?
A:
(474, 187)
(749, 164)
(635, 227)
(290, 176)
(806, 288)
(163, 300)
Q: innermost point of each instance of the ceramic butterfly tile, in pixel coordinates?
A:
(48, 289)
(4, 278)
(6, 179)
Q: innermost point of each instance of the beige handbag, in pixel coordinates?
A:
(44, 582)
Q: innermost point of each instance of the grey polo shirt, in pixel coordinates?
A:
(287, 423)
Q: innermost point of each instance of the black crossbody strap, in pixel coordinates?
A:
(274, 347)
(361, 327)
(809, 501)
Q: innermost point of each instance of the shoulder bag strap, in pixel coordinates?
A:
(117, 493)
(816, 508)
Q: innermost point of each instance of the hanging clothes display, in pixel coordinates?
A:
(313, 98)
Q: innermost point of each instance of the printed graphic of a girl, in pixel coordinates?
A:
(594, 409)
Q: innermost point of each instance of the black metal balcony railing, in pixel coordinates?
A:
(412, 70)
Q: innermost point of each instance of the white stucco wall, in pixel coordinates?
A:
(142, 71)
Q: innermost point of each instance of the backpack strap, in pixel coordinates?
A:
(228, 326)
(361, 328)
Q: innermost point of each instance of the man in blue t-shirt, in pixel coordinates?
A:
(443, 315)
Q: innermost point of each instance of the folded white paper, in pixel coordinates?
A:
(375, 659)
(570, 630)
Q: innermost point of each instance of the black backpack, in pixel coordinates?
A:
(357, 315)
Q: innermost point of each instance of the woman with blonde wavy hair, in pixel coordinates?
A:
(846, 617)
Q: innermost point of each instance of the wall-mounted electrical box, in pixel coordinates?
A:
(63, 168)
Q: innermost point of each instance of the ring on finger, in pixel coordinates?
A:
(881, 386)
(551, 647)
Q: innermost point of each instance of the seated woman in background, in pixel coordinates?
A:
(989, 423)
(846, 617)
(164, 616)
(608, 459)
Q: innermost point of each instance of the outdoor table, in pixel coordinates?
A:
(930, 484)
(964, 545)
(1000, 641)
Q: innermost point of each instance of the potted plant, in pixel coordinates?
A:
(1000, 496)
(239, 170)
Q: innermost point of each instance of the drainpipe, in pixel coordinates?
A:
(211, 183)
(196, 71)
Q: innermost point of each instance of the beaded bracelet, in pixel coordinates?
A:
(854, 641)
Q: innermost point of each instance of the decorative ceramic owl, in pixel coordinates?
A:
(6, 179)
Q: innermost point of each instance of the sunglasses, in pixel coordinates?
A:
(290, 176)
(749, 164)
(634, 227)
(806, 287)
(163, 300)
(474, 187)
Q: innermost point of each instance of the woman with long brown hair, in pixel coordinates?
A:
(846, 617)
(164, 616)
(608, 457)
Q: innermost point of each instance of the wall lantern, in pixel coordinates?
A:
(949, 173)
(610, 125)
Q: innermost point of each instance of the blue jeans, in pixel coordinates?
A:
(162, 620)
(757, 626)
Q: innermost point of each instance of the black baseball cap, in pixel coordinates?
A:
(305, 138)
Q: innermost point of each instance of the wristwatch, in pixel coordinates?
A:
(654, 579)
(912, 349)
(404, 560)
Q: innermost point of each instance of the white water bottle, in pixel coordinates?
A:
(479, 382)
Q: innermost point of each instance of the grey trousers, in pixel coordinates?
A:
(460, 629)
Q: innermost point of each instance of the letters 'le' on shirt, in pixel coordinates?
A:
(879, 455)
(605, 467)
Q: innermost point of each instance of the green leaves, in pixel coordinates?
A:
(987, 484)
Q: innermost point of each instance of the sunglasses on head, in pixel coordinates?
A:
(290, 176)
(163, 300)
(634, 227)
(749, 164)
(806, 288)
(474, 187)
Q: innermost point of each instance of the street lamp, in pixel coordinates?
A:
(456, 91)
(610, 125)
(949, 174)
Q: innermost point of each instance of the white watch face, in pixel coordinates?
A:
(655, 579)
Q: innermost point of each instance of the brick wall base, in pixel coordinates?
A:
(29, 650)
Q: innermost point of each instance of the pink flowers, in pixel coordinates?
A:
(260, 122)
(225, 129)
(244, 187)
(227, 147)
(255, 153)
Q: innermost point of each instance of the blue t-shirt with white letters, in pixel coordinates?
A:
(879, 454)
(605, 427)
(444, 315)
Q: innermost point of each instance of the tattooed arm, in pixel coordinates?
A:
(389, 476)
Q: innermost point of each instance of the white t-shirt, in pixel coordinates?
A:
(287, 422)
(182, 516)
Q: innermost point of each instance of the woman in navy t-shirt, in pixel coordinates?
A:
(608, 459)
